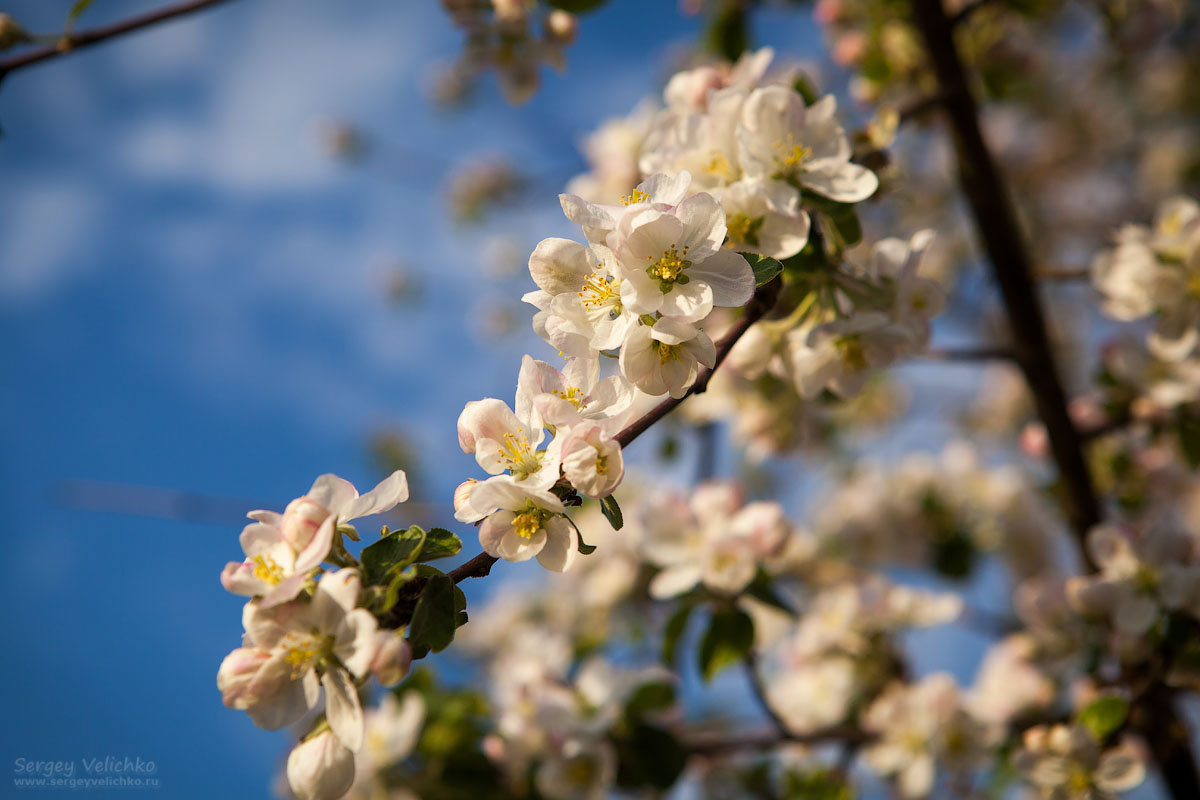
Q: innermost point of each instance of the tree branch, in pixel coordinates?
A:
(995, 221)
(982, 353)
(70, 42)
(996, 224)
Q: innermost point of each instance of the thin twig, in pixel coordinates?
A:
(764, 740)
(982, 353)
(70, 42)
(1063, 274)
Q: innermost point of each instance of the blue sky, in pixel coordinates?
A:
(190, 298)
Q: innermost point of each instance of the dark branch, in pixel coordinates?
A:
(71, 42)
(996, 224)
(968, 354)
(765, 740)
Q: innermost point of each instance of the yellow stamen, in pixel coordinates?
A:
(530, 521)
(666, 352)
(669, 268)
(267, 569)
(719, 165)
(518, 455)
(850, 349)
(598, 291)
(636, 196)
(572, 395)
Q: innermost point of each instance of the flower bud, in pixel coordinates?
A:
(462, 494)
(236, 677)
(393, 657)
(320, 768)
(301, 519)
(562, 26)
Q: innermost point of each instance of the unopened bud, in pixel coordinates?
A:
(462, 494)
(562, 26)
(393, 657)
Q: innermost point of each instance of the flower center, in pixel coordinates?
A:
(636, 196)
(744, 229)
(719, 165)
(519, 456)
(305, 651)
(572, 395)
(850, 349)
(529, 521)
(790, 157)
(669, 268)
(599, 291)
(267, 569)
(666, 352)
(601, 465)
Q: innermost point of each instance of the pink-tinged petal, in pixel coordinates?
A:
(503, 492)
(331, 492)
(259, 537)
(238, 578)
(703, 226)
(337, 594)
(354, 641)
(535, 378)
(236, 675)
(489, 418)
(703, 349)
(729, 275)
(844, 182)
(515, 547)
(283, 591)
(266, 517)
(691, 302)
(674, 581)
(342, 708)
(390, 492)
(559, 265)
(670, 330)
(317, 549)
(667, 189)
(643, 236)
(286, 705)
(492, 531)
(560, 549)
(585, 214)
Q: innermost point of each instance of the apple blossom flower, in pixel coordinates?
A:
(576, 395)
(283, 551)
(520, 522)
(671, 262)
(274, 675)
(780, 139)
(665, 358)
(711, 541)
(764, 217)
(1065, 763)
(1143, 574)
(503, 442)
(592, 460)
(842, 355)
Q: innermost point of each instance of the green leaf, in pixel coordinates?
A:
(805, 88)
(1104, 716)
(393, 591)
(761, 590)
(765, 268)
(727, 35)
(1188, 430)
(392, 553)
(649, 697)
(434, 619)
(673, 632)
(440, 543)
(612, 512)
(77, 8)
(649, 756)
(728, 640)
(576, 6)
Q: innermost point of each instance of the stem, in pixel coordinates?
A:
(996, 224)
(69, 42)
(982, 353)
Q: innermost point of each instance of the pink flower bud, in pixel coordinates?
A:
(301, 519)
(393, 657)
(463, 493)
